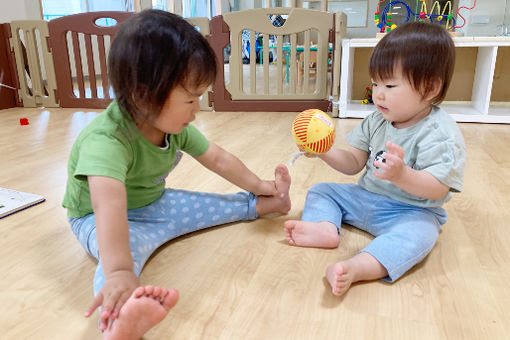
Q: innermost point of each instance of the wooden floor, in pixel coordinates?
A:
(242, 281)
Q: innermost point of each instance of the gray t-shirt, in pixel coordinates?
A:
(434, 144)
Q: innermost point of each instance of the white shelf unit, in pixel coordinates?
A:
(478, 109)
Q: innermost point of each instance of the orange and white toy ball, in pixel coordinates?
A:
(313, 131)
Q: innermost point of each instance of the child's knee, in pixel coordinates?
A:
(417, 248)
(319, 189)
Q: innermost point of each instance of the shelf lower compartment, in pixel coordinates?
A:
(461, 112)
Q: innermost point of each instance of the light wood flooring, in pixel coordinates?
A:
(242, 281)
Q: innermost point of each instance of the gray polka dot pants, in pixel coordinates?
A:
(176, 213)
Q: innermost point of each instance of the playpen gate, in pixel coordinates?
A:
(34, 63)
(235, 95)
(74, 51)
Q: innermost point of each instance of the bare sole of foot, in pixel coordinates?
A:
(309, 234)
(282, 183)
(279, 203)
(146, 307)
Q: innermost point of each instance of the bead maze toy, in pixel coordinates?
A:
(368, 96)
(384, 19)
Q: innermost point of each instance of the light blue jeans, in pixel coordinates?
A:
(175, 213)
(404, 234)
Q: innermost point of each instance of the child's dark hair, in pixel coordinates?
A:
(425, 51)
(152, 53)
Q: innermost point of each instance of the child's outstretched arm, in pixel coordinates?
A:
(109, 203)
(233, 170)
(416, 182)
(348, 162)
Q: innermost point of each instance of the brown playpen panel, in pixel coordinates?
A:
(8, 75)
(74, 40)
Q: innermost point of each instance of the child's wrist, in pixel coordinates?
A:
(405, 178)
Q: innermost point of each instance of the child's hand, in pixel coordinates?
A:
(311, 155)
(394, 165)
(112, 296)
(307, 154)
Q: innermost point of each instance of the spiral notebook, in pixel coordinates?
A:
(12, 201)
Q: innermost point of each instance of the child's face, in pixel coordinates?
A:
(179, 109)
(398, 101)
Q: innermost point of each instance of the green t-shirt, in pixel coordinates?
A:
(112, 146)
(434, 144)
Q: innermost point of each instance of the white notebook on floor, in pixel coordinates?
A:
(12, 201)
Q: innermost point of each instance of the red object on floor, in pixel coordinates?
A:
(23, 121)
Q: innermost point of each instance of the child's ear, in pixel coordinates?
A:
(435, 87)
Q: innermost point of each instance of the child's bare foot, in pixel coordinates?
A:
(279, 203)
(282, 183)
(146, 307)
(362, 267)
(339, 277)
(309, 234)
